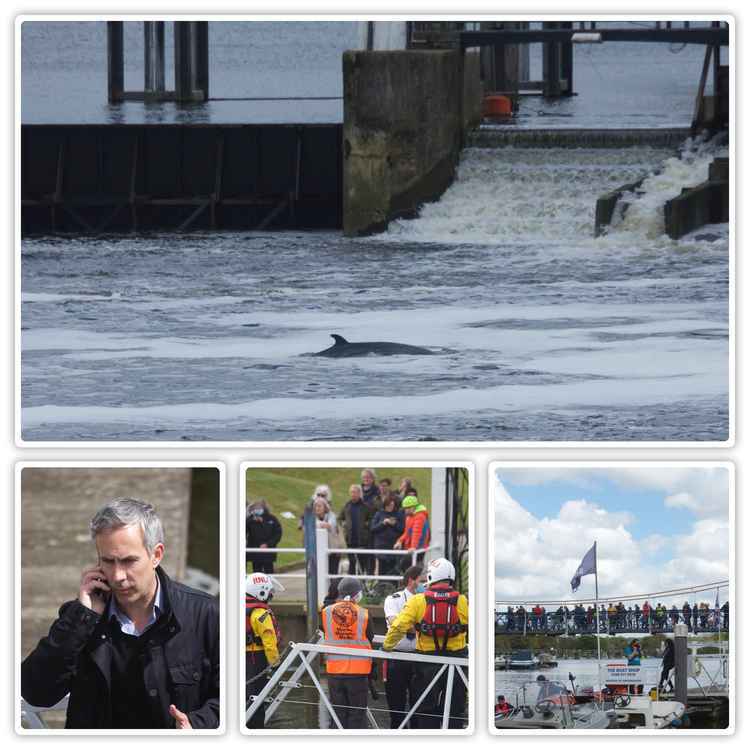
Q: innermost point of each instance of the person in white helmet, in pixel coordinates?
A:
(262, 637)
(440, 616)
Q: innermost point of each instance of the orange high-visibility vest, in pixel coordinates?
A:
(345, 624)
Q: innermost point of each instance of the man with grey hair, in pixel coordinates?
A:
(370, 489)
(135, 650)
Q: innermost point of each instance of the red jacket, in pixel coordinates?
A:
(416, 531)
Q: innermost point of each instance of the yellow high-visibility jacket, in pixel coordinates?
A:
(413, 613)
(261, 634)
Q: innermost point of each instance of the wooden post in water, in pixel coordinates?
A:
(115, 62)
(504, 65)
(153, 67)
(201, 45)
(680, 663)
(551, 64)
(191, 61)
(566, 61)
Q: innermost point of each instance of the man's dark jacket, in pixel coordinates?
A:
(181, 662)
(266, 531)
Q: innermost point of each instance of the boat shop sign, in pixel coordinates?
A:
(620, 673)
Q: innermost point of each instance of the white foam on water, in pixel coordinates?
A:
(515, 331)
(596, 393)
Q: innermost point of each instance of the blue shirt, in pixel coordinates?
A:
(127, 626)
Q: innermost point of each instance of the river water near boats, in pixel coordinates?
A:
(511, 683)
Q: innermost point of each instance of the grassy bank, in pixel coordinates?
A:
(289, 489)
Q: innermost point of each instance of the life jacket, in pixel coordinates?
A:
(345, 624)
(440, 619)
(250, 638)
(503, 708)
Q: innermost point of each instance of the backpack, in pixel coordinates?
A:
(440, 619)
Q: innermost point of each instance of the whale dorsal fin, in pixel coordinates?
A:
(338, 339)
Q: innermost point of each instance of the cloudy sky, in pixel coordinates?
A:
(656, 528)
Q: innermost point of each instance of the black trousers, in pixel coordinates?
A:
(431, 709)
(349, 698)
(263, 564)
(255, 663)
(399, 692)
(664, 679)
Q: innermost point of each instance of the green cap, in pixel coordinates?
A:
(409, 502)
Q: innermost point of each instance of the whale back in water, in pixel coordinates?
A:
(344, 348)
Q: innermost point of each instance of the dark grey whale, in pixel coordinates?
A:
(344, 348)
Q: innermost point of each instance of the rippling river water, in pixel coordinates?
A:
(540, 331)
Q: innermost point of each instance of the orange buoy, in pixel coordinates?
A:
(497, 105)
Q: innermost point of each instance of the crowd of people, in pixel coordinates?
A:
(428, 616)
(374, 517)
(616, 618)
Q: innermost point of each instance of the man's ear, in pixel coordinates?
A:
(157, 554)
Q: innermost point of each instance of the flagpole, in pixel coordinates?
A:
(596, 600)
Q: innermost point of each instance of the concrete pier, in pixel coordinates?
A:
(707, 203)
(406, 114)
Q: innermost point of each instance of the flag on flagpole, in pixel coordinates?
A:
(587, 567)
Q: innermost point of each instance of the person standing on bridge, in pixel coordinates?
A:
(355, 519)
(262, 638)
(135, 650)
(440, 616)
(416, 534)
(345, 623)
(370, 490)
(262, 530)
(399, 675)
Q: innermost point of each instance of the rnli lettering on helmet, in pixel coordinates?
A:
(259, 579)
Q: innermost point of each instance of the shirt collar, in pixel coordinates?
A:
(127, 626)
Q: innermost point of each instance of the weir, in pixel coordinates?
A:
(407, 115)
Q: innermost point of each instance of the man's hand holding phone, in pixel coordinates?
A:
(94, 592)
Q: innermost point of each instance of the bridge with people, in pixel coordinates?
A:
(650, 613)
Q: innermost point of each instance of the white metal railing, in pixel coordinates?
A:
(273, 551)
(323, 552)
(450, 664)
(31, 716)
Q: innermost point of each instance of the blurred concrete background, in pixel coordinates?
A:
(56, 507)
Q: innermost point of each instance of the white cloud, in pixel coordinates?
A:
(702, 491)
(535, 557)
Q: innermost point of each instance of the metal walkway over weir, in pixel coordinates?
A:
(621, 614)
(713, 36)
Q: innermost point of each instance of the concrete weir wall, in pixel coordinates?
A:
(406, 114)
